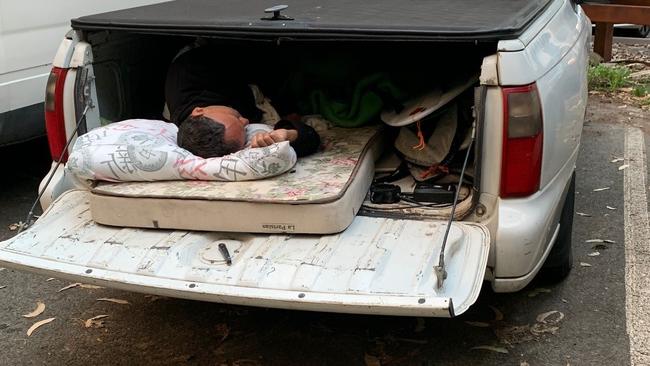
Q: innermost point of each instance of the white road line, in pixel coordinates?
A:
(637, 248)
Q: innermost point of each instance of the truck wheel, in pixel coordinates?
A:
(559, 262)
(644, 31)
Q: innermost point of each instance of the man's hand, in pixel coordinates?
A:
(264, 139)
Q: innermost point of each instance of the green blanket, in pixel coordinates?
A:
(364, 104)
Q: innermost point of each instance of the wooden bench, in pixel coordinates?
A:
(605, 15)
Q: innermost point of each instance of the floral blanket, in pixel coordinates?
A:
(319, 177)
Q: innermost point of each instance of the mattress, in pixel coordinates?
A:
(320, 195)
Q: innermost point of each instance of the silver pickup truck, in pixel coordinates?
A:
(311, 246)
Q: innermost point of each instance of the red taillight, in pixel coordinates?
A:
(54, 119)
(521, 164)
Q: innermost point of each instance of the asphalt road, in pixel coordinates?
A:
(163, 331)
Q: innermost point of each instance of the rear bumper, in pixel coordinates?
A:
(527, 231)
(518, 283)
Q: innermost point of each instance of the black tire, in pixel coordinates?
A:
(559, 262)
(644, 31)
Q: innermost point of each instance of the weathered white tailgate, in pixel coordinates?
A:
(376, 266)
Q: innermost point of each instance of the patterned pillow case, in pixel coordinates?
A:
(146, 150)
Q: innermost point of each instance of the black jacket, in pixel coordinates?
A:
(202, 77)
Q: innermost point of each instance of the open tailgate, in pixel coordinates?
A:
(376, 266)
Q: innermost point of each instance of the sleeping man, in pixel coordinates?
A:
(213, 105)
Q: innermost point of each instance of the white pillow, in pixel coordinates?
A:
(146, 150)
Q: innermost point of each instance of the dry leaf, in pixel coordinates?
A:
(14, 227)
(542, 318)
(223, 330)
(72, 285)
(40, 308)
(154, 298)
(184, 359)
(514, 334)
(565, 301)
(498, 315)
(411, 340)
(95, 322)
(37, 325)
(623, 167)
(610, 208)
(246, 362)
(371, 360)
(583, 214)
(83, 285)
(492, 348)
(478, 324)
(600, 241)
(583, 264)
(50, 279)
(601, 189)
(538, 291)
(116, 301)
(616, 160)
(1, 287)
(541, 328)
(593, 254)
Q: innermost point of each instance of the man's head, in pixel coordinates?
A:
(213, 131)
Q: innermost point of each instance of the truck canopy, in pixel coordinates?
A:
(457, 20)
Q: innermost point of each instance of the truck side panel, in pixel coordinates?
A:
(556, 60)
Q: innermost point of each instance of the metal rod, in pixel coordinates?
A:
(28, 219)
(440, 268)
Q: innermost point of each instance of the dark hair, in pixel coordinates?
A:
(204, 137)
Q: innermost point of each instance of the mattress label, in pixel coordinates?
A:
(286, 228)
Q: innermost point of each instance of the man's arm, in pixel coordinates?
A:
(307, 141)
(304, 139)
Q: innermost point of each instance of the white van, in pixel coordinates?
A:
(30, 32)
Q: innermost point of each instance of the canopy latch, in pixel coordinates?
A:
(276, 13)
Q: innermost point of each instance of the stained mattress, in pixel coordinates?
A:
(321, 195)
